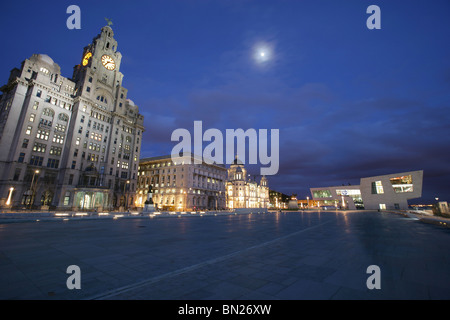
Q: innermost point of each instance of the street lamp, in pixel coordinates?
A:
(125, 196)
(307, 202)
(8, 202)
(32, 188)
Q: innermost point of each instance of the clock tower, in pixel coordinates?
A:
(100, 64)
(105, 135)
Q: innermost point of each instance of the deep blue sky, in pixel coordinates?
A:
(349, 102)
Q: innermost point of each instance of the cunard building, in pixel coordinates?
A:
(69, 143)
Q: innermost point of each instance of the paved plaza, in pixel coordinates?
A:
(276, 256)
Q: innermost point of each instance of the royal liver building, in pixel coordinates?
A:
(69, 143)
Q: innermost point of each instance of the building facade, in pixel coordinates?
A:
(242, 192)
(69, 143)
(386, 192)
(278, 200)
(180, 184)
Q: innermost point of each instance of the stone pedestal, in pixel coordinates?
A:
(148, 208)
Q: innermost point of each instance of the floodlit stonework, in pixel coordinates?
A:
(69, 143)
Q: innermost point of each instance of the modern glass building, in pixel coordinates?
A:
(390, 191)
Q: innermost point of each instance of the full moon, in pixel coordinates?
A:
(262, 53)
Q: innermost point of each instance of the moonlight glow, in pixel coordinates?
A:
(262, 53)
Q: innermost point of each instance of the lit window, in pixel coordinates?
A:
(377, 187)
(402, 184)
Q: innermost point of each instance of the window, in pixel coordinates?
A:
(42, 134)
(28, 131)
(77, 142)
(55, 151)
(60, 127)
(25, 143)
(90, 80)
(322, 194)
(402, 184)
(38, 94)
(16, 174)
(377, 187)
(74, 163)
(48, 112)
(39, 147)
(21, 157)
(67, 195)
(36, 160)
(35, 105)
(63, 117)
(82, 119)
(382, 206)
(58, 138)
(53, 163)
(88, 89)
(32, 117)
(44, 70)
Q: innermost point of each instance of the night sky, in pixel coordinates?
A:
(349, 102)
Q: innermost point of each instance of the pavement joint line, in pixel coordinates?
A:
(124, 289)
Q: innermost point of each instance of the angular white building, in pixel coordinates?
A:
(69, 143)
(384, 192)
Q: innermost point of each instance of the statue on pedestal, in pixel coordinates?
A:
(149, 205)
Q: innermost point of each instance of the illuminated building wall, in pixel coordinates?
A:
(82, 134)
(181, 186)
(242, 192)
(384, 192)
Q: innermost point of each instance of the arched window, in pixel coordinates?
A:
(102, 99)
(48, 112)
(63, 117)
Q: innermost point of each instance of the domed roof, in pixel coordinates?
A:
(46, 59)
(236, 161)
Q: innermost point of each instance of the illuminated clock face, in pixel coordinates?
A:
(108, 62)
(86, 58)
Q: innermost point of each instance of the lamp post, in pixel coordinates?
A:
(307, 202)
(125, 195)
(32, 188)
(8, 201)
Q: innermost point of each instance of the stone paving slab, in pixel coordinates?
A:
(278, 256)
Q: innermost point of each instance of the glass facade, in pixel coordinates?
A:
(325, 193)
(355, 194)
(402, 184)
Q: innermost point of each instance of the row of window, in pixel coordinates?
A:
(37, 161)
(54, 101)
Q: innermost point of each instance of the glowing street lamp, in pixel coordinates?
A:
(32, 189)
(8, 201)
